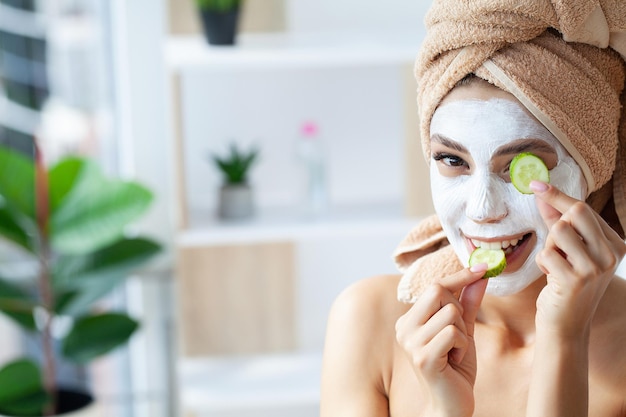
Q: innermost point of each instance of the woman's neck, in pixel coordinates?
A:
(514, 314)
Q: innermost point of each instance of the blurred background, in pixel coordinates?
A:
(321, 92)
(317, 95)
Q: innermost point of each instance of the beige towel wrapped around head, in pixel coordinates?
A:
(563, 60)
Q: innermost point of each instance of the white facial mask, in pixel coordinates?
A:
(464, 202)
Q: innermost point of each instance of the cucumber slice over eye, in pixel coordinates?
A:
(494, 258)
(525, 168)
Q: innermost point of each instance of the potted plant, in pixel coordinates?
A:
(220, 20)
(235, 198)
(69, 221)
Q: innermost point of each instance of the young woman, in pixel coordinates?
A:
(548, 336)
(533, 346)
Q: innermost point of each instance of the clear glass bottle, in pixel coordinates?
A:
(311, 152)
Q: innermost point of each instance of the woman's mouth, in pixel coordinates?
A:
(507, 245)
(513, 248)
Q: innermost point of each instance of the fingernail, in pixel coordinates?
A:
(538, 186)
(479, 267)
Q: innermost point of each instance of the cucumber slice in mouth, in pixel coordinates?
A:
(526, 167)
(494, 258)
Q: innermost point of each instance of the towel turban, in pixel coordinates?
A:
(562, 59)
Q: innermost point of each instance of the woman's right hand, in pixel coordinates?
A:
(437, 334)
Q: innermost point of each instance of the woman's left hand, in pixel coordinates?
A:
(580, 257)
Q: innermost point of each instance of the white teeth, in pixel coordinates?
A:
(492, 245)
(495, 245)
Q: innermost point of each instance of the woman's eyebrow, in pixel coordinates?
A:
(449, 143)
(524, 146)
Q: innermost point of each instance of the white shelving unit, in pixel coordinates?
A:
(355, 87)
(260, 386)
(291, 51)
(260, 91)
(289, 224)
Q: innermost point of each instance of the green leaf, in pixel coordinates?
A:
(218, 5)
(21, 389)
(95, 275)
(117, 259)
(17, 182)
(11, 230)
(62, 299)
(62, 178)
(96, 212)
(80, 301)
(97, 335)
(236, 165)
(17, 305)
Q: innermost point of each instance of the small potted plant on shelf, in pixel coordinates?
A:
(68, 222)
(235, 197)
(220, 20)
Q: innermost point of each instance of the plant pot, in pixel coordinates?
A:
(235, 202)
(220, 28)
(72, 403)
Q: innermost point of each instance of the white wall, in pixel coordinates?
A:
(356, 15)
(326, 265)
(359, 112)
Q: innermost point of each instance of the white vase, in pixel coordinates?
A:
(236, 202)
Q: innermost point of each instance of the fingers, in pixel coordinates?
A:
(430, 344)
(456, 282)
(580, 256)
(580, 236)
(551, 202)
(553, 196)
(449, 343)
(434, 298)
(438, 295)
(437, 324)
(571, 251)
(471, 297)
(443, 332)
(588, 239)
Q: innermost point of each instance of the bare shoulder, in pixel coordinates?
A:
(369, 309)
(373, 297)
(358, 351)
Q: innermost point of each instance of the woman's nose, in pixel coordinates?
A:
(486, 202)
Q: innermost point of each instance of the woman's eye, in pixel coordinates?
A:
(449, 160)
